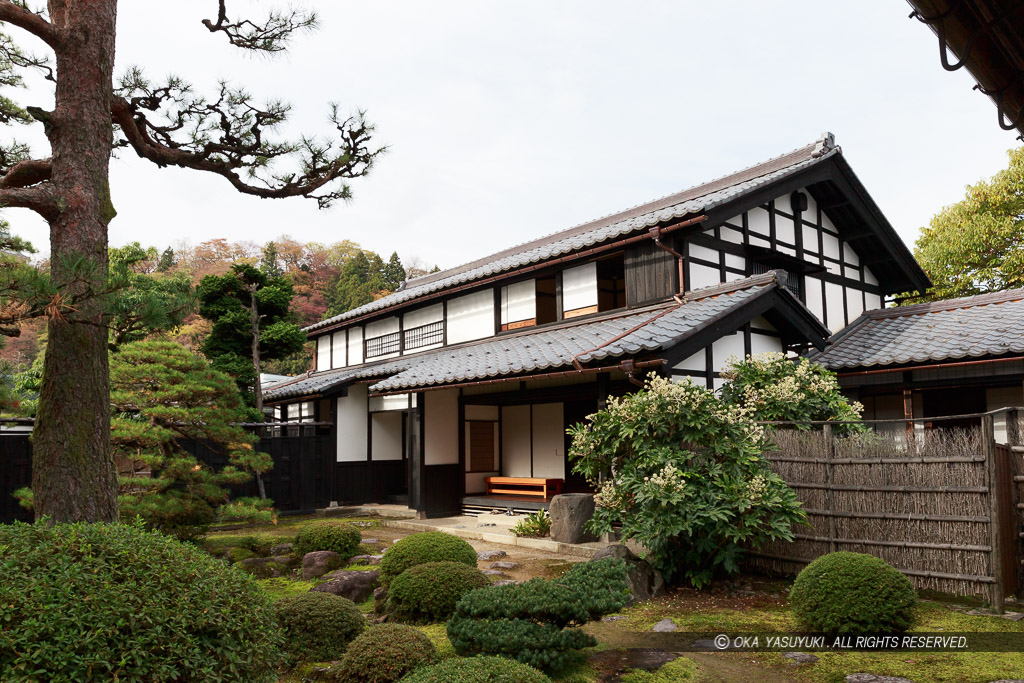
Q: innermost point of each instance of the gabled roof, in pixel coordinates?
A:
(971, 327)
(648, 332)
(690, 202)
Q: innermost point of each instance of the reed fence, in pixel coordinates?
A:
(944, 506)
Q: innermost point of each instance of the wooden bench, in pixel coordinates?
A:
(524, 486)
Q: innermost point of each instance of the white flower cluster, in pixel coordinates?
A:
(670, 479)
(608, 497)
(757, 487)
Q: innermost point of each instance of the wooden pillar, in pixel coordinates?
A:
(988, 439)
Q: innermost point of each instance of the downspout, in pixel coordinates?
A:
(656, 234)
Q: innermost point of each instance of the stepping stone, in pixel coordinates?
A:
(371, 540)
(365, 559)
(1013, 616)
(665, 626)
(485, 555)
(493, 572)
(800, 657)
(875, 678)
(503, 565)
(614, 617)
(506, 582)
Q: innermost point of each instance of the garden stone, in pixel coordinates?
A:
(371, 540)
(503, 565)
(262, 567)
(365, 559)
(645, 582)
(800, 657)
(665, 626)
(493, 572)
(355, 585)
(286, 560)
(380, 593)
(319, 562)
(614, 617)
(569, 512)
(485, 555)
(281, 548)
(506, 582)
(875, 678)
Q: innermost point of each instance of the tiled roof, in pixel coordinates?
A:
(690, 202)
(971, 327)
(625, 334)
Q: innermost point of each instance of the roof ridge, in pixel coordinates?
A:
(985, 299)
(767, 278)
(823, 145)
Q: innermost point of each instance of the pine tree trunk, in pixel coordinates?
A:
(73, 472)
(254, 318)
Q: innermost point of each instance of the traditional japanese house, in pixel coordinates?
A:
(474, 373)
(955, 357)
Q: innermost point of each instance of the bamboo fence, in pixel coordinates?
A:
(943, 506)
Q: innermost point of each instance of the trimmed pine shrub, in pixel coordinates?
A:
(428, 592)
(534, 622)
(384, 653)
(339, 538)
(477, 670)
(429, 546)
(102, 602)
(318, 626)
(852, 593)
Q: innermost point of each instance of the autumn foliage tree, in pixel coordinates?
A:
(227, 134)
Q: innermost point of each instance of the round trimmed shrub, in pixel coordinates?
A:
(477, 670)
(428, 592)
(318, 626)
(91, 602)
(852, 593)
(429, 546)
(339, 538)
(384, 653)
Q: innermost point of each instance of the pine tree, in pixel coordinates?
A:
(394, 273)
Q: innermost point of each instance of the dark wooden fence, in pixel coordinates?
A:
(302, 480)
(942, 506)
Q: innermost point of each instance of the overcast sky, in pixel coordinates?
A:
(509, 120)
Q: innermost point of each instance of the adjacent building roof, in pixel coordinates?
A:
(986, 36)
(971, 327)
(624, 334)
(690, 202)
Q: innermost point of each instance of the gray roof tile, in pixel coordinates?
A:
(971, 327)
(649, 330)
(690, 202)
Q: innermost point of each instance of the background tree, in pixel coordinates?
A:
(143, 300)
(251, 323)
(229, 135)
(770, 387)
(393, 274)
(163, 397)
(977, 244)
(360, 281)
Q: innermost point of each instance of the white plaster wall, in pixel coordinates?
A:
(726, 347)
(482, 413)
(471, 317)
(760, 343)
(548, 441)
(381, 327)
(703, 253)
(854, 303)
(338, 345)
(323, 352)
(515, 441)
(702, 276)
(761, 323)
(697, 361)
(579, 287)
(355, 345)
(812, 293)
(441, 427)
(387, 436)
(351, 422)
(423, 316)
(758, 222)
(874, 301)
(730, 235)
(834, 302)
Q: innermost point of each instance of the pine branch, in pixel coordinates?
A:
(271, 35)
(16, 14)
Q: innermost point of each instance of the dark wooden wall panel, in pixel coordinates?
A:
(651, 273)
(442, 490)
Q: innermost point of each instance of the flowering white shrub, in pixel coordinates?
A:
(681, 471)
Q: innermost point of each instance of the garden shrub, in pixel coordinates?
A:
(339, 538)
(534, 622)
(477, 670)
(318, 626)
(535, 525)
(384, 653)
(429, 546)
(238, 554)
(255, 544)
(852, 593)
(690, 483)
(428, 592)
(92, 602)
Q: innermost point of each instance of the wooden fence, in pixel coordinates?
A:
(942, 506)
